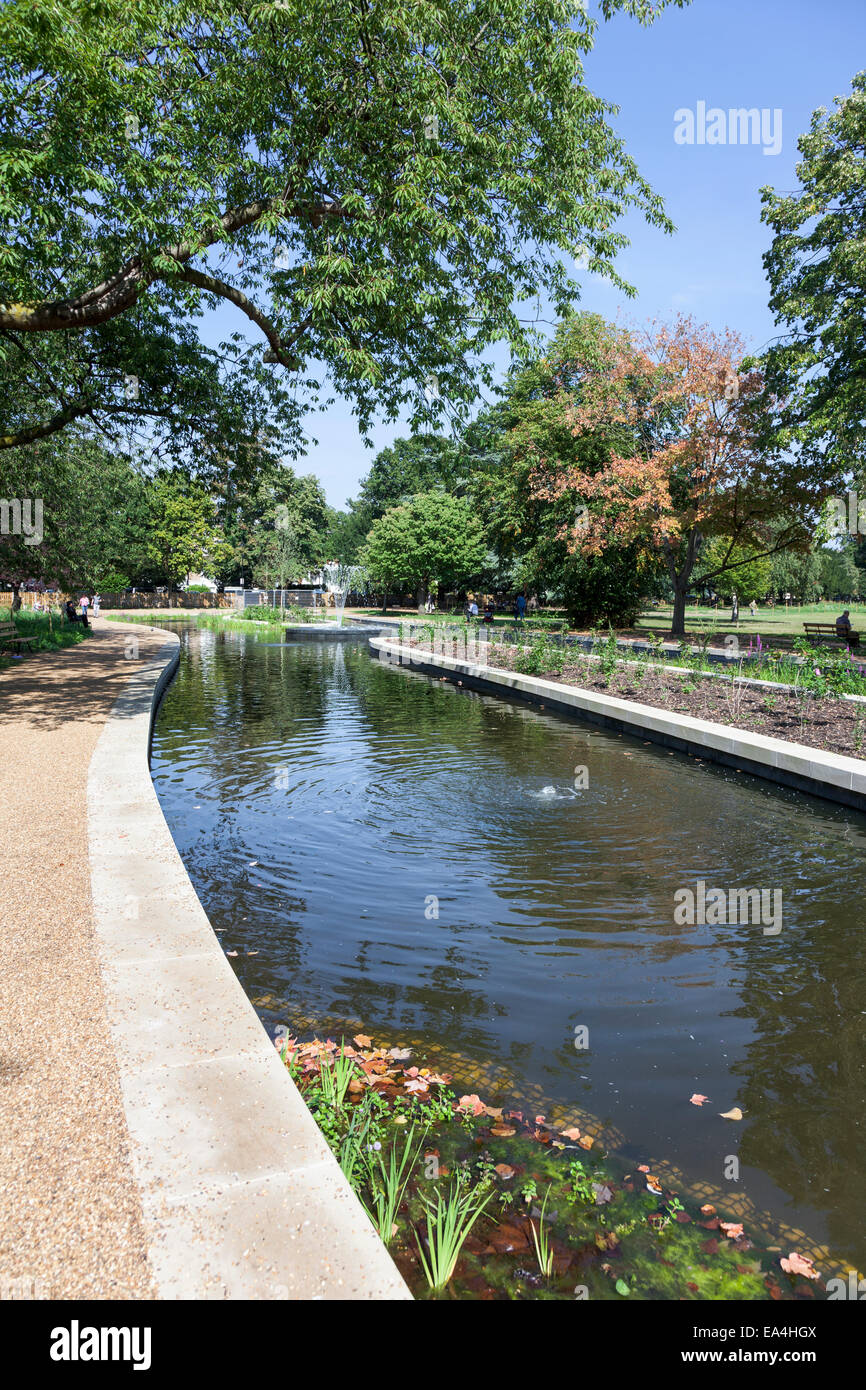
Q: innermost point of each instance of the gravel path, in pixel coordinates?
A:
(70, 1215)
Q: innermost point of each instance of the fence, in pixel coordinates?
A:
(143, 600)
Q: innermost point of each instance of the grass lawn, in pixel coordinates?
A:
(51, 630)
(771, 623)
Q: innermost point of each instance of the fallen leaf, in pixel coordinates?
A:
(642, 1168)
(732, 1229)
(622, 1287)
(585, 1142)
(473, 1104)
(799, 1264)
(505, 1171)
(698, 1099)
(573, 1133)
(503, 1131)
(735, 1114)
(708, 1210)
(363, 1041)
(603, 1193)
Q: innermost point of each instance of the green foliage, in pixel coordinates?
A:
(349, 178)
(434, 539)
(731, 568)
(387, 1182)
(449, 1220)
(95, 513)
(816, 266)
(183, 534)
(527, 435)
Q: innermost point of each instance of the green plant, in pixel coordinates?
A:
(449, 1220)
(609, 656)
(529, 1190)
(582, 1189)
(541, 1240)
(335, 1079)
(387, 1182)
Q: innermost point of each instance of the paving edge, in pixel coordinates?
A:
(828, 775)
(242, 1198)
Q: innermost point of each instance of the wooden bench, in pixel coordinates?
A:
(830, 630)
(10, 636)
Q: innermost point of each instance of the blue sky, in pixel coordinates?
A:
(791, 55)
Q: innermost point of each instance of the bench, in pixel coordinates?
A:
(10, 636)
(830, 630)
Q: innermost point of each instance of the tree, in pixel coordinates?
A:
(434, 539)
(692, 464)
(747, 576)
(816, 266)
(840, 577)
(374, 188)
(92, 508)
(797, 573)
(291, 530)
(184, 534)
(533, 531)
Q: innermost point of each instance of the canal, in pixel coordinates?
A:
(381, 850)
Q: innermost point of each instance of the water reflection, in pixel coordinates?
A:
(329, 807)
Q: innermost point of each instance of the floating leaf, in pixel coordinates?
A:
(572, 1133)
(799, 1264)
(362, 1040)
(698, 1099)
(503, 1131)
(735, 1114)
(732, 1229)
(505, 1171)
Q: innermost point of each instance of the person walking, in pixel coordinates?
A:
(85, 604)
(96, 601)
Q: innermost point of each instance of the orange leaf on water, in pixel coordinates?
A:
(799, 1264)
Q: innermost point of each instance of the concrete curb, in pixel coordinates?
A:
(828, 775)
(242, 1197)
(323, 632)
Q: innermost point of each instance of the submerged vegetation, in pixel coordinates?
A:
(475, 1201)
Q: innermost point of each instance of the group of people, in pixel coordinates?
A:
(520, 607)
(72, 612)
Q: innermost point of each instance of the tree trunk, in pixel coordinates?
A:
(678, 621)
(680, 579)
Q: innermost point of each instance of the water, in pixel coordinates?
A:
(329, 807)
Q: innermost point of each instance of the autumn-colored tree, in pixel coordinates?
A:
(533, 535)
(690, 465)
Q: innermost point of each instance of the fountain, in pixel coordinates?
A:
(340, 581)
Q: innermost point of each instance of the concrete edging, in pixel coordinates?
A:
(242, 1197)
(829, 775)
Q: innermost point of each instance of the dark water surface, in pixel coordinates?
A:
(321, 801)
